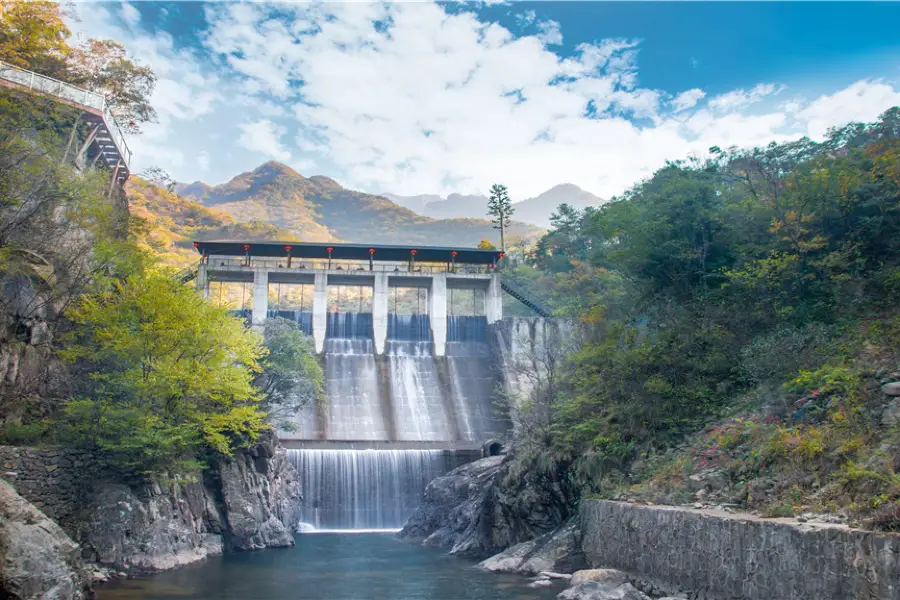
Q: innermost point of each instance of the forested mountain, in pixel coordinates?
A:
(318, 209)
(170, 223)
(535, 211)
(741, 331)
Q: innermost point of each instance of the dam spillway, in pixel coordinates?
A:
(410, 377)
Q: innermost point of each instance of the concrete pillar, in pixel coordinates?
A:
(260, 296)
(493, 300)
(320, 310)
(437, 312)
(202, 281)
(380, 310)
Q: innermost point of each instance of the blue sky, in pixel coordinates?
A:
(435, 98)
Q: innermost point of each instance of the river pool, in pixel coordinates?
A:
(331, 567)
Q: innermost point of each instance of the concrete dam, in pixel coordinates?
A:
(415, 352)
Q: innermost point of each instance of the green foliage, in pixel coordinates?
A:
(167, 374)
(500, 209)
(710, 278)
(291, 376)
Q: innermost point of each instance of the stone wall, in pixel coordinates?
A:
(55, 481)
(722, 556)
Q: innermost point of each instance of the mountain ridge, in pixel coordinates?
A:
(318, 209)
(535, 211)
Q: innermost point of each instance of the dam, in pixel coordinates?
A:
(412, 345)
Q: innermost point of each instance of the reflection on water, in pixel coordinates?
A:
(331, 567)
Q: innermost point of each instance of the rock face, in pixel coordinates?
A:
(556, 552)
(39, 561)
(481, 508)
(248, 501)
(161, 529)
(261, 498)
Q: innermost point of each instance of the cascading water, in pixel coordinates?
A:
(363, 489)
(472, 379)
(351, 380)
(405, 396)
(419, 411)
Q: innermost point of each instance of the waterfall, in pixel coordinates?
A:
(351, 385)
(349, 326)
(472, 379)
(411, 328)
(418, 403)
(363, 489)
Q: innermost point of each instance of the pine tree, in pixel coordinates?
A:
(500, 209)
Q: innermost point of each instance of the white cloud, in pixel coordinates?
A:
(264, 137)
(742, 98)
(862, 101)
(203, 160)
(130, 14)
(410, 98)
(687, 99)
(550, 33)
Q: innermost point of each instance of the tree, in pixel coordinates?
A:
(501, 210)
(486, 244)
(166, 375)
(33, 35)
(291, 376)
(103, 66)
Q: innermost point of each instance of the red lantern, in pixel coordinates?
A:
(371, 251)
(454, 254)
(330, 249)
(413, 252)
(246, 247)
(288, 248)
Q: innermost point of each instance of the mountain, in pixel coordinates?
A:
(535, 211)
(318, 209)
(172, 223)
(413, 203)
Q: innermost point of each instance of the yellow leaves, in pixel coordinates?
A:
(31, 31)
(236, 428)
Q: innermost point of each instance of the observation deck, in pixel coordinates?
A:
(105, 142)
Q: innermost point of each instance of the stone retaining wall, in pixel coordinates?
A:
(722, 556)
(55, 481)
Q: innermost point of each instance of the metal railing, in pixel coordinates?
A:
(66, 91)
(349, 266)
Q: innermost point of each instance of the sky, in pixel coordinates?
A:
(434, 98)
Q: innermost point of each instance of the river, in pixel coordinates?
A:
(330, 567)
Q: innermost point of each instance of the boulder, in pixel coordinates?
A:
(39, 561)
(557, 551)
(891, 389)
(595, 590)
(481, 508)
(608, 576)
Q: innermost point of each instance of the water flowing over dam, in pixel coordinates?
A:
(413, 366)
(363, 489)
(367, 471)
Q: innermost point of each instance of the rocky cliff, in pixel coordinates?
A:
(38, 559)
(248, 501)
(484, 507)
